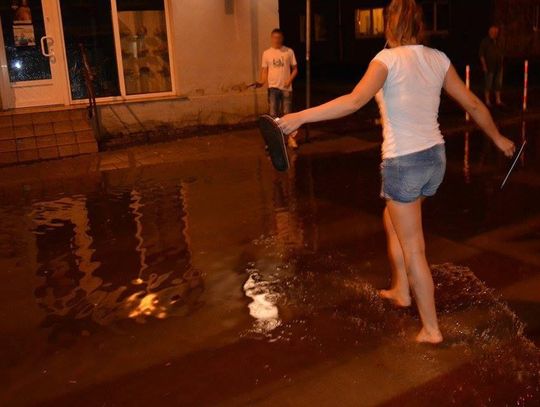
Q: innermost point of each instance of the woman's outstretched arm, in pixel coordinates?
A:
(366, 89)
(455, 87)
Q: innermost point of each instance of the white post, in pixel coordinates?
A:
(525, 85)
(308, 53)
(466, 159)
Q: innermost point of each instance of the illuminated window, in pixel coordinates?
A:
(369, 22)
(145, 46)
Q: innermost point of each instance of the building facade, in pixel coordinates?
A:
(349, 33)
(520, 20)
(157, 64)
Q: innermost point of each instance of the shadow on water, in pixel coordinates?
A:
(187, 285)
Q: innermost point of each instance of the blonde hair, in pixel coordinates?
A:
(404, 23)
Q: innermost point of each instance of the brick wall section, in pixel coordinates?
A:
(26, 137)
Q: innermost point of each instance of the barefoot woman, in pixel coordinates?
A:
(407, 80)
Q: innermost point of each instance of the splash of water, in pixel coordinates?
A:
(263, 306)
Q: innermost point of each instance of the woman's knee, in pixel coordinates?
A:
(414, 252)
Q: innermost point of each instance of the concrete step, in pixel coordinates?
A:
(34, 135)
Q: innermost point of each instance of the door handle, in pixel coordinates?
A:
(49, 41)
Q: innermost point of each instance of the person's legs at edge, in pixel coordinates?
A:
(399, 293)
(407, 221)
(497, 83)
(287, 108)
(489, 76)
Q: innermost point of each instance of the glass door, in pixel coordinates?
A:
(88, 27)
(128, 43)
(34, 52)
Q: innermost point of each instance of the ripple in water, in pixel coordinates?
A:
(326, 303)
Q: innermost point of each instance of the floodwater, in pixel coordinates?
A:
(216, 281)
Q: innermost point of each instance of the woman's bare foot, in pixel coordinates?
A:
(433, 337)
(397, 298)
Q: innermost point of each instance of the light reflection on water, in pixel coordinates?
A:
(263, 306)
(149, 251)
(148, 276)
(486, 157)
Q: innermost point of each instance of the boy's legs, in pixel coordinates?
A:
(274, 102)
(497, 84)
(287, 108)
(287, 102)
(489, 77)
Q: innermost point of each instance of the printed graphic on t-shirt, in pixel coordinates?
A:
(278, 63)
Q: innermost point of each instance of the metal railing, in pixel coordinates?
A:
(89, 77)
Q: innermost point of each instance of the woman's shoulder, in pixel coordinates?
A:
(435, 51)
(386, 56)
(439, 58)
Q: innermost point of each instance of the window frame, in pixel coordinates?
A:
(120, 61)
(371, 35)
(124, 97)
(435, 4)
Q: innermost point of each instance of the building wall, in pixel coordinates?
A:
(344, 53)
(518, 19)
(216, 55)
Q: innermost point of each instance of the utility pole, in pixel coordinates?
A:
(308, 54)
(308, 62)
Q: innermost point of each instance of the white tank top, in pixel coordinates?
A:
(410, 98)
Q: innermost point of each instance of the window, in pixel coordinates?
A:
(127, 42)
(229, 7)
(437, 16)
(90, 24)
(145, 46)
(23, 28)
(369, 22)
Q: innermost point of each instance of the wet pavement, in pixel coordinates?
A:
(190, 273)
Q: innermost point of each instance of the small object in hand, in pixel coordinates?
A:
(514, 163)
(255, 85)
(275, 141)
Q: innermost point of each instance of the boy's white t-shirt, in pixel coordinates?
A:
(279, 62)
(410, 98)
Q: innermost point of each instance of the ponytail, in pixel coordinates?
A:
(404, 23)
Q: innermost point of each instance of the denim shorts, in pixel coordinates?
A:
(412, 176)
(494, 79)
(279, 102)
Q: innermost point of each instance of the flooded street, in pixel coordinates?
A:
(191, 273)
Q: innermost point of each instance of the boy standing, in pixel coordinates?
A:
(279, 69)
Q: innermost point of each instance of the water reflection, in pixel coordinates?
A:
(129, 249)
(466, 159)
(137, 215)
(263, 305)
(90, 247)
(523, 140)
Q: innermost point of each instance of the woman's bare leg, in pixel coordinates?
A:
(407, 222)
(399, 292)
